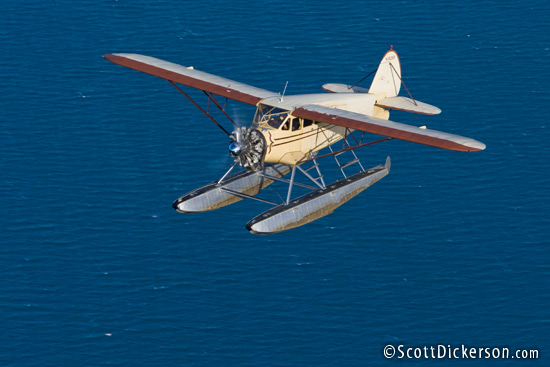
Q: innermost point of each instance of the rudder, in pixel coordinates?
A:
(387, 81)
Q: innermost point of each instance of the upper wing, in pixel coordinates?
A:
(191, 77)
(388, 128)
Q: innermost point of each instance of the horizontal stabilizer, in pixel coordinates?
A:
(343, 88)
(408, 105)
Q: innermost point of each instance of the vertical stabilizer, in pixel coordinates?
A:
(387, 80)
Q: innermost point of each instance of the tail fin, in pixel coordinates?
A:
(387, 81)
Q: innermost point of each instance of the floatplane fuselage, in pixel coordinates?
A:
(290, 139)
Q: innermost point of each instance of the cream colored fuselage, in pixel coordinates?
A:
(290, 139)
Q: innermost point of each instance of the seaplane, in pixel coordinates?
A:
(288, 134)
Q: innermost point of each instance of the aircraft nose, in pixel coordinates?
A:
(235, 148)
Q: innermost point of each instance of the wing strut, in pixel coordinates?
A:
(199, 107)
(212, 98)
(346, 149)
(402, 82)
(369, 74)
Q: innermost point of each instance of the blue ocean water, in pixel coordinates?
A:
(98, 269)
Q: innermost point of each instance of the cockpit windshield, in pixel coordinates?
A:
(274, 117)
(280, 119)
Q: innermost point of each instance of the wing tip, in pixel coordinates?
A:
(110, 57)
(475, 146)
(117, 58)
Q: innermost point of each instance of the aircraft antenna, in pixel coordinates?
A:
(284, 90)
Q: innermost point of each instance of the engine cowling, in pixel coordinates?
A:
(248, 146)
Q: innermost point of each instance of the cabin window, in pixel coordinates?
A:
(296, 124)
(307, 123)
(276, 121)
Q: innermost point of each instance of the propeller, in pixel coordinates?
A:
(247, 146)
